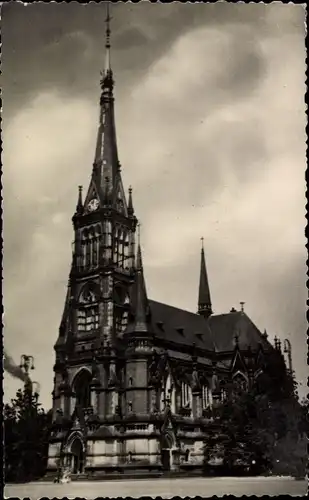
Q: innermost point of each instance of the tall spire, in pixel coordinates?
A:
(107, 43)
(139, 322)
(204, 302)
(106, 163)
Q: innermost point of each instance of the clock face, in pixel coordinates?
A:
(93, 204)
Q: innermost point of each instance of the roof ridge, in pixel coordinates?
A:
(174, 307)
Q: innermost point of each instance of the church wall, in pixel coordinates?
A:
(136, 383)
(53, 455)
(104, 453)
(101, 403)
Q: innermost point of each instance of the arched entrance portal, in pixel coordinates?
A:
(77, 453)
(167, 443)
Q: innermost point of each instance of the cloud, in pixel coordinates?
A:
(211, 136)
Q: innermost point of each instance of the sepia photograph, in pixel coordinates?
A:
(154, 258)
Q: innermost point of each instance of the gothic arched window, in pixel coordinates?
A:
(205, 396)
(81, 387)
(126, 251)
(121, 321)
(88, 310)
(83, 256)
(185, 395)
(168, 393)
(90, 244)
(240, 382)
(95, 246)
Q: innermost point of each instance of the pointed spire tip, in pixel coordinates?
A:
(204, 301)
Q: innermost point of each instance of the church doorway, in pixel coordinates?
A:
(77, 454)
(167, 443)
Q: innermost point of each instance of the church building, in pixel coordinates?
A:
(135, 380)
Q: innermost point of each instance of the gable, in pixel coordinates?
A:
(91, 194)
(119, 198)
(224, 327)
(238, 364)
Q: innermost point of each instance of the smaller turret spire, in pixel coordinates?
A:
(79, 206)
(130, 203)
(139, 300)
(204, 302)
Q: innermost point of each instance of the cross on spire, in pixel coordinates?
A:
(107, 20)
(107, 43)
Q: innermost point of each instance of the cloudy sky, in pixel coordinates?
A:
(211, 133)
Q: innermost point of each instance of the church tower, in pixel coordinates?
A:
(102, 270)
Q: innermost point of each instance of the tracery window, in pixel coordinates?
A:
(90, 245)
(88, 311)
(205, 396)
(168, 394)
(121, 248)
(185, 395)
(240, 382)
(121, 322)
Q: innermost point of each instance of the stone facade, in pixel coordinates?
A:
(135, 381)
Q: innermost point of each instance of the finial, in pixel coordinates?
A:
(130, 202)
(202, 240)
(79, 205)
(107, 43)
(242, 306)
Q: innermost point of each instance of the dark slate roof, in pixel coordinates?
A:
(173, 319)
(225, 326)
(217, 333)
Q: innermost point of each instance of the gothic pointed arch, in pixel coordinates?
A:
(81, 385)
(206, 394)
(238, 363)
(240, 381)
(167, 398)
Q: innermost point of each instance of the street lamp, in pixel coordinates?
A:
(26, 363)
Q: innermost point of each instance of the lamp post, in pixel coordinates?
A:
(26, 363)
